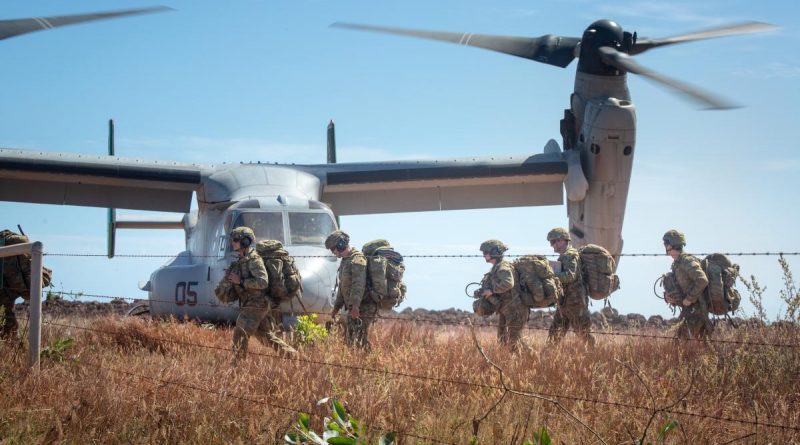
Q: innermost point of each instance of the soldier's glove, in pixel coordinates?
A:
(672, 298)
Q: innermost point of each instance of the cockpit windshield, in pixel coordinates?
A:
(266, 225)
(306, 228)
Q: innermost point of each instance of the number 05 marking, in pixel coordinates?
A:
(184, 293)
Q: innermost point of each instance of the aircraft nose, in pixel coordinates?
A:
(318, 284)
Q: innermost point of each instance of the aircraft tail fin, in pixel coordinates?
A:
(331, 143)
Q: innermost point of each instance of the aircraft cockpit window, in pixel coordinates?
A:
(266, 225)
(309, 228)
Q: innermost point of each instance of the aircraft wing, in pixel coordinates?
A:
(97, 181)
(444, 184)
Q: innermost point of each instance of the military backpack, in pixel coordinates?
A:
(721, 294)
(385, 270)
(284, 278)
(16, 270)
(535, 282)
(597, 269)
(483, 307)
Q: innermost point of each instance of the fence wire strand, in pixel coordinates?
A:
(387, 372)
(331, 257)
(247, 399)
(467, 323)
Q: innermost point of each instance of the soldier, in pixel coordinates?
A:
(690, 284)
(496, 287)
(572, 310)
(14, 279)
(246, 280)
(351, 291)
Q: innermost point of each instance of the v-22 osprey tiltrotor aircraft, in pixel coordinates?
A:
(297, 204)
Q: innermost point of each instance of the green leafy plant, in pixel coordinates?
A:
(340, 429)
(665, 429)
(308, 330)
(541, 437)
(57, 349)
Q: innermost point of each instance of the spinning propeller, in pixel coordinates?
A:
(15, 27)
(603, 50)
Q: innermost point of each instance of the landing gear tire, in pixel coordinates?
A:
(139, 310)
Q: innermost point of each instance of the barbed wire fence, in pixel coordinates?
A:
(398, 374)
(646, 254)
(469, 321)
(432, 378)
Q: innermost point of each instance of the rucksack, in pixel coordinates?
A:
(385, 270)
(535, 282)
(597, 269)
(284, 278)
(721, 294)
(16, 270)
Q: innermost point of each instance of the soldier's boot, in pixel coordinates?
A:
(10, 327)
(587, 338)
(683, 332)
(362, 335)
(502, 335)
(556, 332)
(240, 340)
(279, 345)
(515, 339)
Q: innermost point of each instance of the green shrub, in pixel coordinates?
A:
(341, 428)
(308, 331)
(56, 350)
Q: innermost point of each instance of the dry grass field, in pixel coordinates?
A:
(139, 381)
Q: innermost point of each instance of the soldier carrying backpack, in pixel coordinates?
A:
(15, 280)
(497, 294)
(284, 278)
(723, 298)
(597, 270)
(385, 270)
(685, 286)
(535, 282)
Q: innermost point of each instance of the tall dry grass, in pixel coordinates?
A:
(194, 395)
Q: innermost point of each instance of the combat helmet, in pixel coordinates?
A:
(243, 233)
(674, 238)
(557, 234)
(493, 247)
(337, 240)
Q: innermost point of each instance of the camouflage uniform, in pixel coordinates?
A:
(256, 314)
(352, 291)
(692, 283)
(15, 277)
(10, 325)
(512, 313)
(572, 310)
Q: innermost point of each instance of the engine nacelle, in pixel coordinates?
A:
(606, 143)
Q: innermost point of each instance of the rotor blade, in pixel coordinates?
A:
(643, 45)
(549, 49)
(15, 27)
(626, 63)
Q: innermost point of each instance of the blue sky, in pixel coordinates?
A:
(258, 80)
